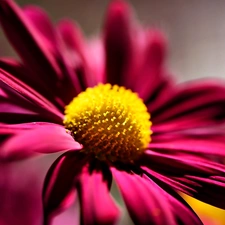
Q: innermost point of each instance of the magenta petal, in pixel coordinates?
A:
(75, 53)
(19, 94)
(118, 44)
(181, 164)
(40, 138)
(145, 202)
(97, 206)
(196, 98)
(170, 181)
(43, 24)
(95, 57)
(207, 189)
(191, 125)
(24, 37)
(182, 212)
(150, 74)
(28, 77)
(191, 146)
(58, 191)
(46, 64)
(198, 176)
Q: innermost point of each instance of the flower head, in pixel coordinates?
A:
(110, 122)
(93, 100)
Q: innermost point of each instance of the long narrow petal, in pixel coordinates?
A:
(58, 191)
(197, 98)
(207, 189)
(19, 94)
(170, 181)
(41, 61)
(181, 164)
(182, 212)
(198, 175)
(118, 44)
(53, 42)
(145, 202)
(191, 146)
(43, 24)
(76, 53)
(24, 37)
(22, 73)
(149, 79)
(97, 206)
(38, 138)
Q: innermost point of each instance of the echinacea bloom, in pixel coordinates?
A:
(111, 106)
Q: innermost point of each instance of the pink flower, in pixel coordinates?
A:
(184, 152)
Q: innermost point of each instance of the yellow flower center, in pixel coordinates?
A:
(109, 121)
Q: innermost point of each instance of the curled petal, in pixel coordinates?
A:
(97, 206)
(38, 138)
(58, 190)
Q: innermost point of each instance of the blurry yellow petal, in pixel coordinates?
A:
(209, 215)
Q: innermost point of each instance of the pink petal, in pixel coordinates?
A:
(117, 40)
(95, 57)
(182, 212)
(19, 94)
(58, 191)
(190, 125)
(196, 98)
(75, 53)
(39, 138)
(170, 181)
(24, 37)
(41, 21)
(191, 146)
(22, 73)
(145, 202)
(97, 206)
(41, 61)
(207, 189)
(149, 75)
(181, 164)
(198, 175)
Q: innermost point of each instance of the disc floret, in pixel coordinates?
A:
(109, 121)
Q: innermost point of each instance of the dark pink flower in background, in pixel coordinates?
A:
(20, 195)
(165, 138)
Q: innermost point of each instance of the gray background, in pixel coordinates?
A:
(195, 29)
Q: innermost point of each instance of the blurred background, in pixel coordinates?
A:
(195, 30)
